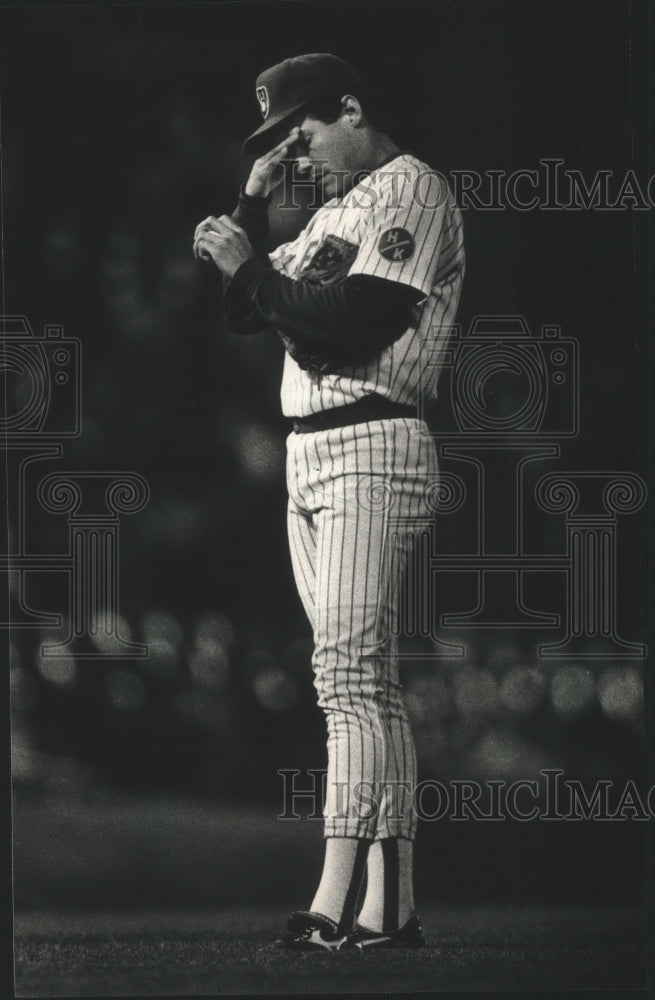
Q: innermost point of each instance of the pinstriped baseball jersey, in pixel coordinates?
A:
(399, 223)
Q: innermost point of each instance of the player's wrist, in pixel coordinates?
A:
(258, 202)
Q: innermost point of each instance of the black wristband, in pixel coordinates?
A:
(251, 214)
(253, 202)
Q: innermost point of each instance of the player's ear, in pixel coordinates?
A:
(351, 111)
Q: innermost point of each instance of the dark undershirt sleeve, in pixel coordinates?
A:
(321, 326)
(349, 320)
(241, 315)
(252, 215)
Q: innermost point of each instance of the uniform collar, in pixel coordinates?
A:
(387, 159)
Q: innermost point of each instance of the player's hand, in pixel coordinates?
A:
(206, 226)
(222, 241)
(267, 172)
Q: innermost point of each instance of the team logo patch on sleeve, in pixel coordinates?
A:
(396, 244)
(331, 261)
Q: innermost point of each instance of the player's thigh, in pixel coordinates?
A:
(362, 544)
(350, 573)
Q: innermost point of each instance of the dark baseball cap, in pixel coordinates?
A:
(287, 87)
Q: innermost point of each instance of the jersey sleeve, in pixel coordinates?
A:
(402, 227)
(283, 257)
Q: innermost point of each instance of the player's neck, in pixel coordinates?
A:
(381, 150)
(374, 150)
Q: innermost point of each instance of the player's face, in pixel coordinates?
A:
(330, 150)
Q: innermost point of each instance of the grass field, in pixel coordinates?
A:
(210, 953)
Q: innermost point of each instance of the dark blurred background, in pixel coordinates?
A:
(121, 129)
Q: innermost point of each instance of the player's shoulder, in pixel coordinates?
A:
(408, 178)
(404, 165)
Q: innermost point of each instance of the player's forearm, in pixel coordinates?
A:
(360, 313)
(251, 214)
(240, 316)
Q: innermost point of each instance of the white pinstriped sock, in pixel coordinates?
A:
(389, 900)
(343, 870)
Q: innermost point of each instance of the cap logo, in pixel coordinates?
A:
(262, 97)
(396, 244)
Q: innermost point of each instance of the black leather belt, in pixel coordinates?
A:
(371, 407)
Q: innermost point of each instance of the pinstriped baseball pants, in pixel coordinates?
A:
(347, 486)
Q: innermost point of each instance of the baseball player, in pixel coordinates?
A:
(363, 300)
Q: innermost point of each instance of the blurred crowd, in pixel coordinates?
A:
(217, 709)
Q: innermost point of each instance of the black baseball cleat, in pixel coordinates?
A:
(309, 931)
(410, 935)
